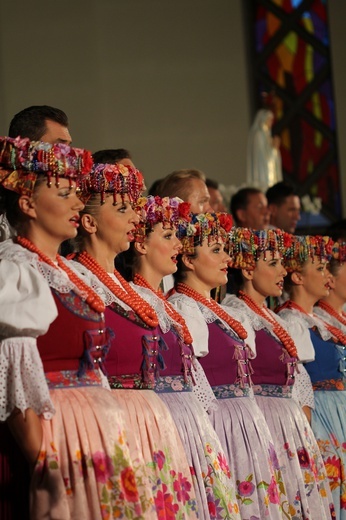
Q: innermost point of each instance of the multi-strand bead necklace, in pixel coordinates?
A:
(176, 317)
(93, 299)
(332, 312)
(214, 307)
(123, 292)
(278, 330)
(338, 335)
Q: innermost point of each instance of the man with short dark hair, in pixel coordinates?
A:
(41, 123)
(113, 156)
(284, 206)
(249, 208)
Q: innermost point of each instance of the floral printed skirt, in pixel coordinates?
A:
(151, 431)
(299, 457)
(84, 470)
(249, 447)
(214, 485)
(329, 426)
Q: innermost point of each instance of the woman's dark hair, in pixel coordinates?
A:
(180, 274)
(235, 281)
(288, 284)
(9, 205)
(126, 263)
(333, 266)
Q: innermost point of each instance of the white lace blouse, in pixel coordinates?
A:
(27, 309)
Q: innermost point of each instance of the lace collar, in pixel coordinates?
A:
(165, 321)
(331, 320)
(294, 315)
(102, 290)
(55, 277)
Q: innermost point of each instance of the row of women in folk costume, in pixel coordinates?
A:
(128, 404)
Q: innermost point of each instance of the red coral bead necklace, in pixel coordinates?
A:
(93, 299)
(124, 292)
(278, 330)
(186, 336)
(214, 307)
(330, 310)
(338, 335)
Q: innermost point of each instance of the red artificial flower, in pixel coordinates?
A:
(288, 239)
(87, 162)
(184, 210)
(226, 221)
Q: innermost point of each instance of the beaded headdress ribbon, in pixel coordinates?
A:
(204, 225)
(247, 245)
(21, 160)
(115, 179)
(171, 212)
(317, 247)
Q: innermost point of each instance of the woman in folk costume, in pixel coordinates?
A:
(152, 256)
(256, 258)
(53, 340)
(107, 228)
(317, 294)
(221, 341)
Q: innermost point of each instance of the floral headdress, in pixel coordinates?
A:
(171, 212)
(318, 248)
(339, 252)
(204, 225)
(113, 178)
(21, 160)
(246, 245)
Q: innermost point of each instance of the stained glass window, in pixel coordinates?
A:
(291, 55)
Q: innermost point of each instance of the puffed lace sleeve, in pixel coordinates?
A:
(198, 328)
(239, 311)
(298, 328)
(195, 322)
(27, 308)
(302, 391)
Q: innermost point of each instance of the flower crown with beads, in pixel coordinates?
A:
(339, 252)
(21, 160)
(204, 225)
(171, 212)
(317, 247)
(115, 179)
(247, 245)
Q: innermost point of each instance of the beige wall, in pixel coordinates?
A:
(165, 79)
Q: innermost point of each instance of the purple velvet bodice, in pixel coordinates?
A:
(272, 365)
(228, 361)
(77, 339)
(135, 356)
(177, 355)
(139, 355)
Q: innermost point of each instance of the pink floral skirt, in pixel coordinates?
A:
(304, 474)
(249, 447)
(151, 432)
(84, 470)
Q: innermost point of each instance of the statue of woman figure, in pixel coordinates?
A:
(263, 154)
